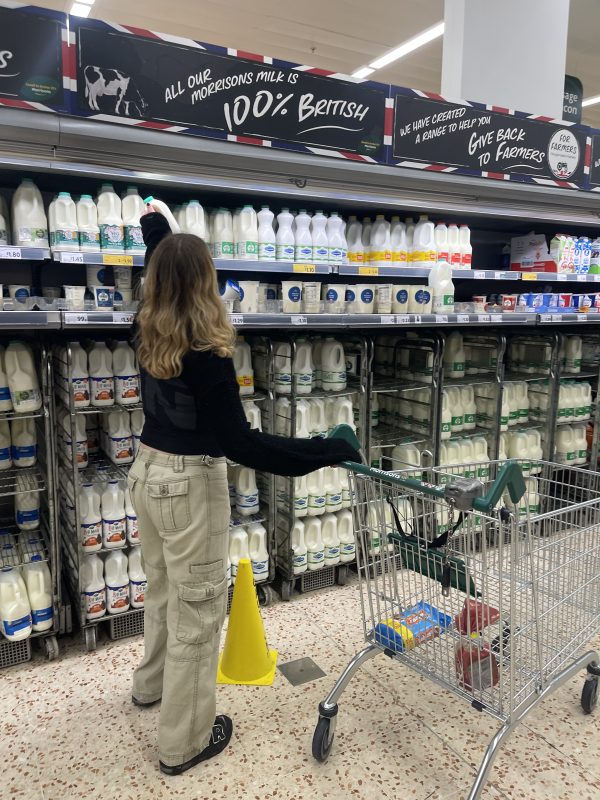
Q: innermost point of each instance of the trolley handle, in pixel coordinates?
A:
(510, 476)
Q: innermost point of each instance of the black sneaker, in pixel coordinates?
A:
(221, 735)
(142, 704)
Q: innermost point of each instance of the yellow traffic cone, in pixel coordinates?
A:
(246, 658)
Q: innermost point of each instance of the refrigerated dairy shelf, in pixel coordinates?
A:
(98, 257)
(18, 320)
(14, 253)
(96, 319)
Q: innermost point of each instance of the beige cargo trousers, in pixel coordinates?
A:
(182, 505)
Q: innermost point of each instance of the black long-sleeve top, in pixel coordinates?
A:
(200, 411)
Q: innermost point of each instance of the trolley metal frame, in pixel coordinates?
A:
(491, 591)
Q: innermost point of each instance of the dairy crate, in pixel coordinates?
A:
(317, 579)
(12, 653)
(129, 624)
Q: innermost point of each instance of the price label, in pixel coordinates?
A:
(13, 253)
(305, 268)
(555, 317)
(299, 319)
(368, 270)
(402, 319)
(484, 318)
(117, 261)
(529, 276)
(122, 318)
(387, 319)
(561, 276)
(463, 318)
(582, 278)
(71, 258)
(237, 319)
(500, 276)
(441, 319)
(417, 319)
(479, 275)
(72, 318)
(496, 317)
(546, 317)
(582, 317)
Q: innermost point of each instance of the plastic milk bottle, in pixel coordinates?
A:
(94, 588)
(132, 209)
(110, 221)
(22, 378)
(137, 578)
(30, 227)
(117, 582)
(113, 516)
(87, 223)
(15, 610)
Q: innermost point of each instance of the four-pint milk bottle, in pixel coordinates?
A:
(110, 221)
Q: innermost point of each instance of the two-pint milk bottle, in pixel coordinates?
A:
(320, 241)
(246, 492)
(5, 446)
(303, 243)
(266, 235)
(117, 582)
(238, 547)
(247, 241)
(131, 520)
(137, 578)
(64, 234)
(87, 223)
(24, 442)
(222, 238)
(22, 378)
(346, 536)
(336, 239)
(137, 426)
(132, 209)
(257, 547)
(331, 539)
(299, 551)
(126, 375)
(333, 365)
(15, 610)
(113, 516)
(94, 588)
(102, 383)
(192, 219)
(110, 220)
(27, 502)
(90, 531)
(5, 401)
(38, 583)
(242, 362)
(120, 442)
(79, 377)
(285, 240)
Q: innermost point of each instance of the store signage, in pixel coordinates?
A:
(134, 77)
(572, 99)
(30, 57)
(475, 140)
(595, 162)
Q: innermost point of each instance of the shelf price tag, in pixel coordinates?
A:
(561, 276)
(441, 319)
(500, 276)
(120, 318)
(582, 278)
(484, 318)
(480, 275)
(237, 319)
(305, 268)
(368, 270)
(529, 276)
(299, 319)
(117, 261)
(388, 319)
(416, 319)
(582, 317)
(71, 258)
(555, 317)
(402, 319)
(496, 317)
(14, 253)
(463, 318)
(76, 318)
(548, 318)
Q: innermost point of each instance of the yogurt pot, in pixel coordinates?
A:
(582, 302)
(400, 299)
(75, 297)
(479, 301)
(384, 298)
(420, 300)
(19, 292)
(334, 297)
(123, 277)
(248, 296)
(364, 302)
(123, 297)
(96, 275)
(103, 297)
(351, 298)
(291, 296)
(311, 297)
(509, 302)
(565, 300)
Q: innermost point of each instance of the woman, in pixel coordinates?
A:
(193, 420)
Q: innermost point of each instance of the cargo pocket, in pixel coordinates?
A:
(169, 504)
(200, 602)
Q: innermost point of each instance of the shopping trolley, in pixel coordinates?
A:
(486, 581)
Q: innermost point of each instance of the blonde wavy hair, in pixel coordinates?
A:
(181, 309)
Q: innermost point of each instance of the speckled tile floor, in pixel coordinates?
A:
(68, 729)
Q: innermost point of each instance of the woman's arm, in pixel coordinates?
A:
(154, 229)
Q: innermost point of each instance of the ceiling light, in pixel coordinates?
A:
(363, 72)
(590, 101)
(87, 2)
(402, 50)
(80, 10)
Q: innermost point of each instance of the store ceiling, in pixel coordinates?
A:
(340, 35)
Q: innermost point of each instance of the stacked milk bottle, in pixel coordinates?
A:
(113, 583)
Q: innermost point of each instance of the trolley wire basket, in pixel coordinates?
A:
(490, 589)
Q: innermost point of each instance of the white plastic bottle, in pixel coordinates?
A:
(246, 492)
(446, 416)
(238, 547)
(314, 543)
(466, 250)
(131, 520)
(333, 365)
(120, 441)
(354, 241)
(303, 244)
(90, 533)
(222, 238)
(164, 209)
(454, 356)
(94, 588)
(257, 548)
(441, 242)
(580, 443)
(235, 222)
(137, 578)
(24, 442)
(27, 502)
(469, 409)
(192, 219)
(102, 383)
(64, 233)
(132, 208)
(110, 220)
(38, 583)
(79, 377)
(6, 461)
(410, 237)
(333, 489)
(266, 235)
(318, 418)
(252, 413)
(116, 576)
(248, 234)
(242, 362)
(87, 223)
(137, 426)
(454, 246)
(22, 378)
(424, 249)
(316, 493)
(4, 227)
(398, 243)
(282, 365)
(442, 288)
(299, 551)
(336, 239)
(81, 451)
(126, 375)
(318, 225)
(30, 226)
(573, 352)
(5, 401)
(381, 243)
(302, 368)
(114, 526)
(480, 447)
(331, 539)
(15, 610)
(285, 240)
(346, 535)
(367, 227)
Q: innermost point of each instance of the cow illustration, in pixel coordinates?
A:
(112, 83)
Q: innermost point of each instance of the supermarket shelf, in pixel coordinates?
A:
(101, 409)
(106, 259)
(30, 319)
(560, 277)
(277, 267)
(423, 272)
(96, 319)
(17, 481)
(384, 435)
(568, 318)
(471, 380)
(393, 385)
(8, 415)
(14, 253)
(271, 320)
(518, 377)
(15, 552)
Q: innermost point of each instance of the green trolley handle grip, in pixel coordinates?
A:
(510, 476)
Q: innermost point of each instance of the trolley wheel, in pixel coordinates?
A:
(286, 591)
(91, 639)
(51, 647)
(266, 595)
(342, 575)
(589, 695)
(323, 738)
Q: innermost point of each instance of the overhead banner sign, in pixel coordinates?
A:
(151, 79)
(471, 140)
(595, 163)
(572, 99)
(31, 69)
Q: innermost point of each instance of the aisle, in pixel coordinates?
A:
(68, 729)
